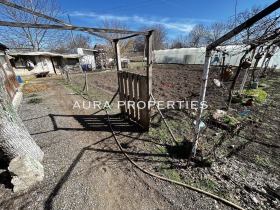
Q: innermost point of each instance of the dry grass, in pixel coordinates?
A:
(34, 88)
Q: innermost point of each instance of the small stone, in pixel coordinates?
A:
(254, 199)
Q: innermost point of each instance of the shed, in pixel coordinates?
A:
(29, 63)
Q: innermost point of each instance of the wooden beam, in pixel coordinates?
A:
(127, 37)
(59, 21)
(43, 16)
(59, 27)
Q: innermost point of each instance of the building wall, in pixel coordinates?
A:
(87, 57)
(43, 64)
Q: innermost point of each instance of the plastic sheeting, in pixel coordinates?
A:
(197, 56)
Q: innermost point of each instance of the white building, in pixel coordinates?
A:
(29, 63)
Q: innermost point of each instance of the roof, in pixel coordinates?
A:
(3, 47)
(99, 46)
(50, 54)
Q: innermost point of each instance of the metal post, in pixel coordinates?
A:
(149, 40)
(202, 97)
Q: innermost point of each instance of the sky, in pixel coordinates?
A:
(178, 16)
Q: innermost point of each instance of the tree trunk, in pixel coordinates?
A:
(14, 137)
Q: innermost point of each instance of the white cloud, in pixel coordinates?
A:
(176, 25)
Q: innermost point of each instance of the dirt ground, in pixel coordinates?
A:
(245, 165)
(84, 168)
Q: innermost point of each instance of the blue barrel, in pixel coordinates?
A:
(19, 79)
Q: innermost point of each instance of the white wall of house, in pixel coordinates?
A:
(87, 57)
(43, 64)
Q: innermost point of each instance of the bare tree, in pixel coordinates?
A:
(125, 45)
(160, 35)
(36, 39)
(196, 37)
(253, 32)
(215, 31)
(159, 38)
(179, 42)
(81, 41)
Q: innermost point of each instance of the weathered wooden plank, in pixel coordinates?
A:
(136, 95)
(121, 91)
(68, 27)
(125, 92)
(130, 95)
(143, 108)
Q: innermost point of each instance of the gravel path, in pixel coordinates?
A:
(83, 167)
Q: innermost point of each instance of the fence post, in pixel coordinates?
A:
(149, 73)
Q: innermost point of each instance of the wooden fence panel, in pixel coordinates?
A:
(134, 92)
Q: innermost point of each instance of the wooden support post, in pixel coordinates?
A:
(53, 65)
(121, 76)
(149, 73)
(85, 89)
(121, 90)
(118, 54)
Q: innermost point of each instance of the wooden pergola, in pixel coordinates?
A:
(131, 87)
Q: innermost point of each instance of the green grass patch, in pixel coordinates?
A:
(229, 120)
(35, 101)
(263, 161)
(70, 86)
(210, 185)
(259, 95)
(33, 95)
(171, 174)
(160, 150)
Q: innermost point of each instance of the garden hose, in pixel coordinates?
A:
(161, 177)
(166, 179)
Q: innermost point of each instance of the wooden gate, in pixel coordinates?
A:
(134, 97)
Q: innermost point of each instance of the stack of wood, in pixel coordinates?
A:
(100, 56)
